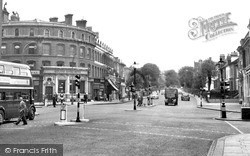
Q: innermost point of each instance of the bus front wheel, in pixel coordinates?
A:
(31, 114)
(1, 117)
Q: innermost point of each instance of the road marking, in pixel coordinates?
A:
(11, 128)
(235, 127)
(139, 132)
(164, 127)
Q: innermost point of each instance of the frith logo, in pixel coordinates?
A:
(210, 28)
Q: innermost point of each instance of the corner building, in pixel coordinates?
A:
(56, 52)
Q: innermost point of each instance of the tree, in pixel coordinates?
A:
(171, 78)
(186, 76)
(207, 71)
(151, 74)
(139, 79)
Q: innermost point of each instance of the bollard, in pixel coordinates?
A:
(63, 113)
(223, 110)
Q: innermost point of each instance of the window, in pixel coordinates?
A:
(46, 32)
(3, 32)
(73, 35)
(82, 64)
(3, 48)
(82, 52)
(32, 48)
(60, 63)
(60, 49)
(72, 50)
(31, 64)
(16, 32)
(25, 72)
(1, 69)
(61, 86)
(89, 38)
(72, 64)
(9, 96)
(17, 49)
(88, 53)
(16, 71)
(46, 49)
(46, 63)
(16, 61)
(89, 66)
(61, 34)
(31, 31)
(83, 37)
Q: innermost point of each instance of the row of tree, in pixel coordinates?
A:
(149, 75)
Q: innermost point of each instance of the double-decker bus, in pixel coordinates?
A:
(15, 82)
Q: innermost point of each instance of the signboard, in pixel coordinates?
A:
(14, 81)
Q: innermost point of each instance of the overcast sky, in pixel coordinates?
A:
(147, 31)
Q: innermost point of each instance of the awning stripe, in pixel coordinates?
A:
(112, 84)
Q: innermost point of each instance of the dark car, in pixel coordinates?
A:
(185, 97)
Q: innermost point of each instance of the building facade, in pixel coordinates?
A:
(56, 52)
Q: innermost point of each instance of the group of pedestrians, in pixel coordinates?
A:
(148, 102)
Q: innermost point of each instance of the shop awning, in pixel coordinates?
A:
(112, 84)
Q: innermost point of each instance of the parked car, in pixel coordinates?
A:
(154, 95)
(185, 97)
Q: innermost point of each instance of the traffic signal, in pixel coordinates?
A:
(77, 81)
(225, 87)
(132, 88)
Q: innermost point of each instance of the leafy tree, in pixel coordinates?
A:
(171, 78)
(207, 68)
(151, 73)
(139, 79)
(186, 76)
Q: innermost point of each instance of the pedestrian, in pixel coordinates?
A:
(54, 100)
(85, 98)
(105, 97)
(22, 112)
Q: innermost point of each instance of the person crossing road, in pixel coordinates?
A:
(22, 111)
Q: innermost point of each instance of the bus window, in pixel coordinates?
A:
(17, 95)
(24, 72)
(8, 70)
(9, 95)
(25, 96)
(16, 71)
(2, 95)
(1, 69)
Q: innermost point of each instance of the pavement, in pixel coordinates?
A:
(232, 145)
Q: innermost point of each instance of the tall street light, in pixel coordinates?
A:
(222, 88)
(134, 86)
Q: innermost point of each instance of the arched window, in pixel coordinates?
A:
(73, 35)
(83, 37)
(61, 34)
(82, 64)
(16, 32)
(60, 63)
(4, 48)
(60, 49)
(32, 48)
(82, 52)
(17, 48)
(46, 32)
(72, 51)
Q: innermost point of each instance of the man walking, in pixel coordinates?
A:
(22, 111)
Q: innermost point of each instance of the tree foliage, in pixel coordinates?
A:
(151, 74)
(171, 78)
(207, 71)
(186, 76)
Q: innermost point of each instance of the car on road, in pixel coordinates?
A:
(185, 97)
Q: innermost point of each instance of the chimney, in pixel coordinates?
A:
(53, 19)
(68, 19)
(81, 23)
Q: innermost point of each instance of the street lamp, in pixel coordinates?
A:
(134, 86)
(222, 89)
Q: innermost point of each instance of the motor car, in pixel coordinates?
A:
(185, 97)
(154, 95)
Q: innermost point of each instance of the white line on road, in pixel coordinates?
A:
(235, 127)
(11, 128)
(140, 132)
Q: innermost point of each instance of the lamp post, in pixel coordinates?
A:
(134, 86)
(222, 89)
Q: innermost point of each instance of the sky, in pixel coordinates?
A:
(147, 31)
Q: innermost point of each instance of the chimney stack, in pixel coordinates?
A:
(68, 19)
(53, 19)
(81, 23)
